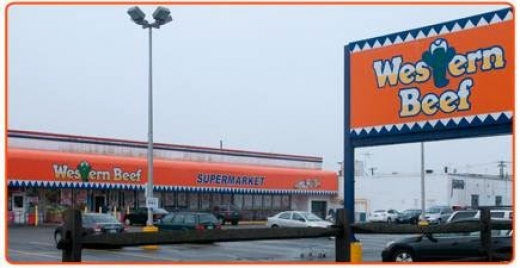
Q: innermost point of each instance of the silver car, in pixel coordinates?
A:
(296, 219)
(437, 214)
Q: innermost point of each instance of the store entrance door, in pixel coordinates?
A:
(18, 206)
(319, 208)
(99, 202)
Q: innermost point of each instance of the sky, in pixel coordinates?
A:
(258, 78)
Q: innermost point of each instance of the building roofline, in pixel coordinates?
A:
(162, 146)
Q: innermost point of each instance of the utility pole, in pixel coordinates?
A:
(501, 165)
(367, 156)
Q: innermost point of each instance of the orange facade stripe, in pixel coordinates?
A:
(42, 165)
(376, 103)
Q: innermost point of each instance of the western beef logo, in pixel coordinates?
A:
(308, 184)
(85, 172)
(442, 63)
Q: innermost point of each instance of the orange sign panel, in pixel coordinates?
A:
(32, 165)
(458, 70)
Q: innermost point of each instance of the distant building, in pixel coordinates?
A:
(403, 191)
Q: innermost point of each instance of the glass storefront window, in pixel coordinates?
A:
(194, 201)
(277, 201)
(248, 201)
(267, 201)
(129, 199)
(286, 201)
(217, 199)
(182, 200)
(258, 201)
(80, 198)
(169, 198)
(204, 201)
(238, 200)
(66, 197)
(227, 199)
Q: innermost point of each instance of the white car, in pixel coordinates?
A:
(296, 219)
(495, 214)
(383, 215)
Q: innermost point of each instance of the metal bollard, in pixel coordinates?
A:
(356, 252)
(35, 215)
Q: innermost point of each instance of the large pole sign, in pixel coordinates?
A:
(450, 80)
(454, 75)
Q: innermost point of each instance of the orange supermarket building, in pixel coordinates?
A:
(50, 172)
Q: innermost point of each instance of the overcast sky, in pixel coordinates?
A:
(260, 78)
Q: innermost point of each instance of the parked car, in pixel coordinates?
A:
(495, 214)
(383, 215)
(227, 213)
(140, 215)
(410, 216)
(296, 219)
(437, 214)
(94, 223)
(444, 246)
(188, 221)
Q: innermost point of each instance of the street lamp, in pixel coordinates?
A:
(161, 16)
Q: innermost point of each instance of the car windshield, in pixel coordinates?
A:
(310, 216)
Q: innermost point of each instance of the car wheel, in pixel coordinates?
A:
(274, 226)
(57, 237)
(403, 255)
(235, 222)
(128, 222)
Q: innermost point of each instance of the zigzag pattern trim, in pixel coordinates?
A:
(89, 185)
(476, 21)
(437, 124)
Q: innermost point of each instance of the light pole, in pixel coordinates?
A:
(161, 16)
(423, 195)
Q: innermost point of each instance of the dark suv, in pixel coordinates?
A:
(227, 213)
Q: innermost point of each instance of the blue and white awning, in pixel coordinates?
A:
(122, 186)
(433, 125)
(476, 21)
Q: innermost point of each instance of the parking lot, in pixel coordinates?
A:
(36, 244)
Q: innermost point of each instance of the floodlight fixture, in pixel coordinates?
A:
(137, 15)
(161, 14)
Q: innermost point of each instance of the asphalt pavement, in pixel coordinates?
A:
(36, 245)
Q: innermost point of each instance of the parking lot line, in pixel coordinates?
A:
(22, 252)
(132, 254)
(41, 243)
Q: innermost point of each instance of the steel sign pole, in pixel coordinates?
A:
(422, 179)
(348, 155)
